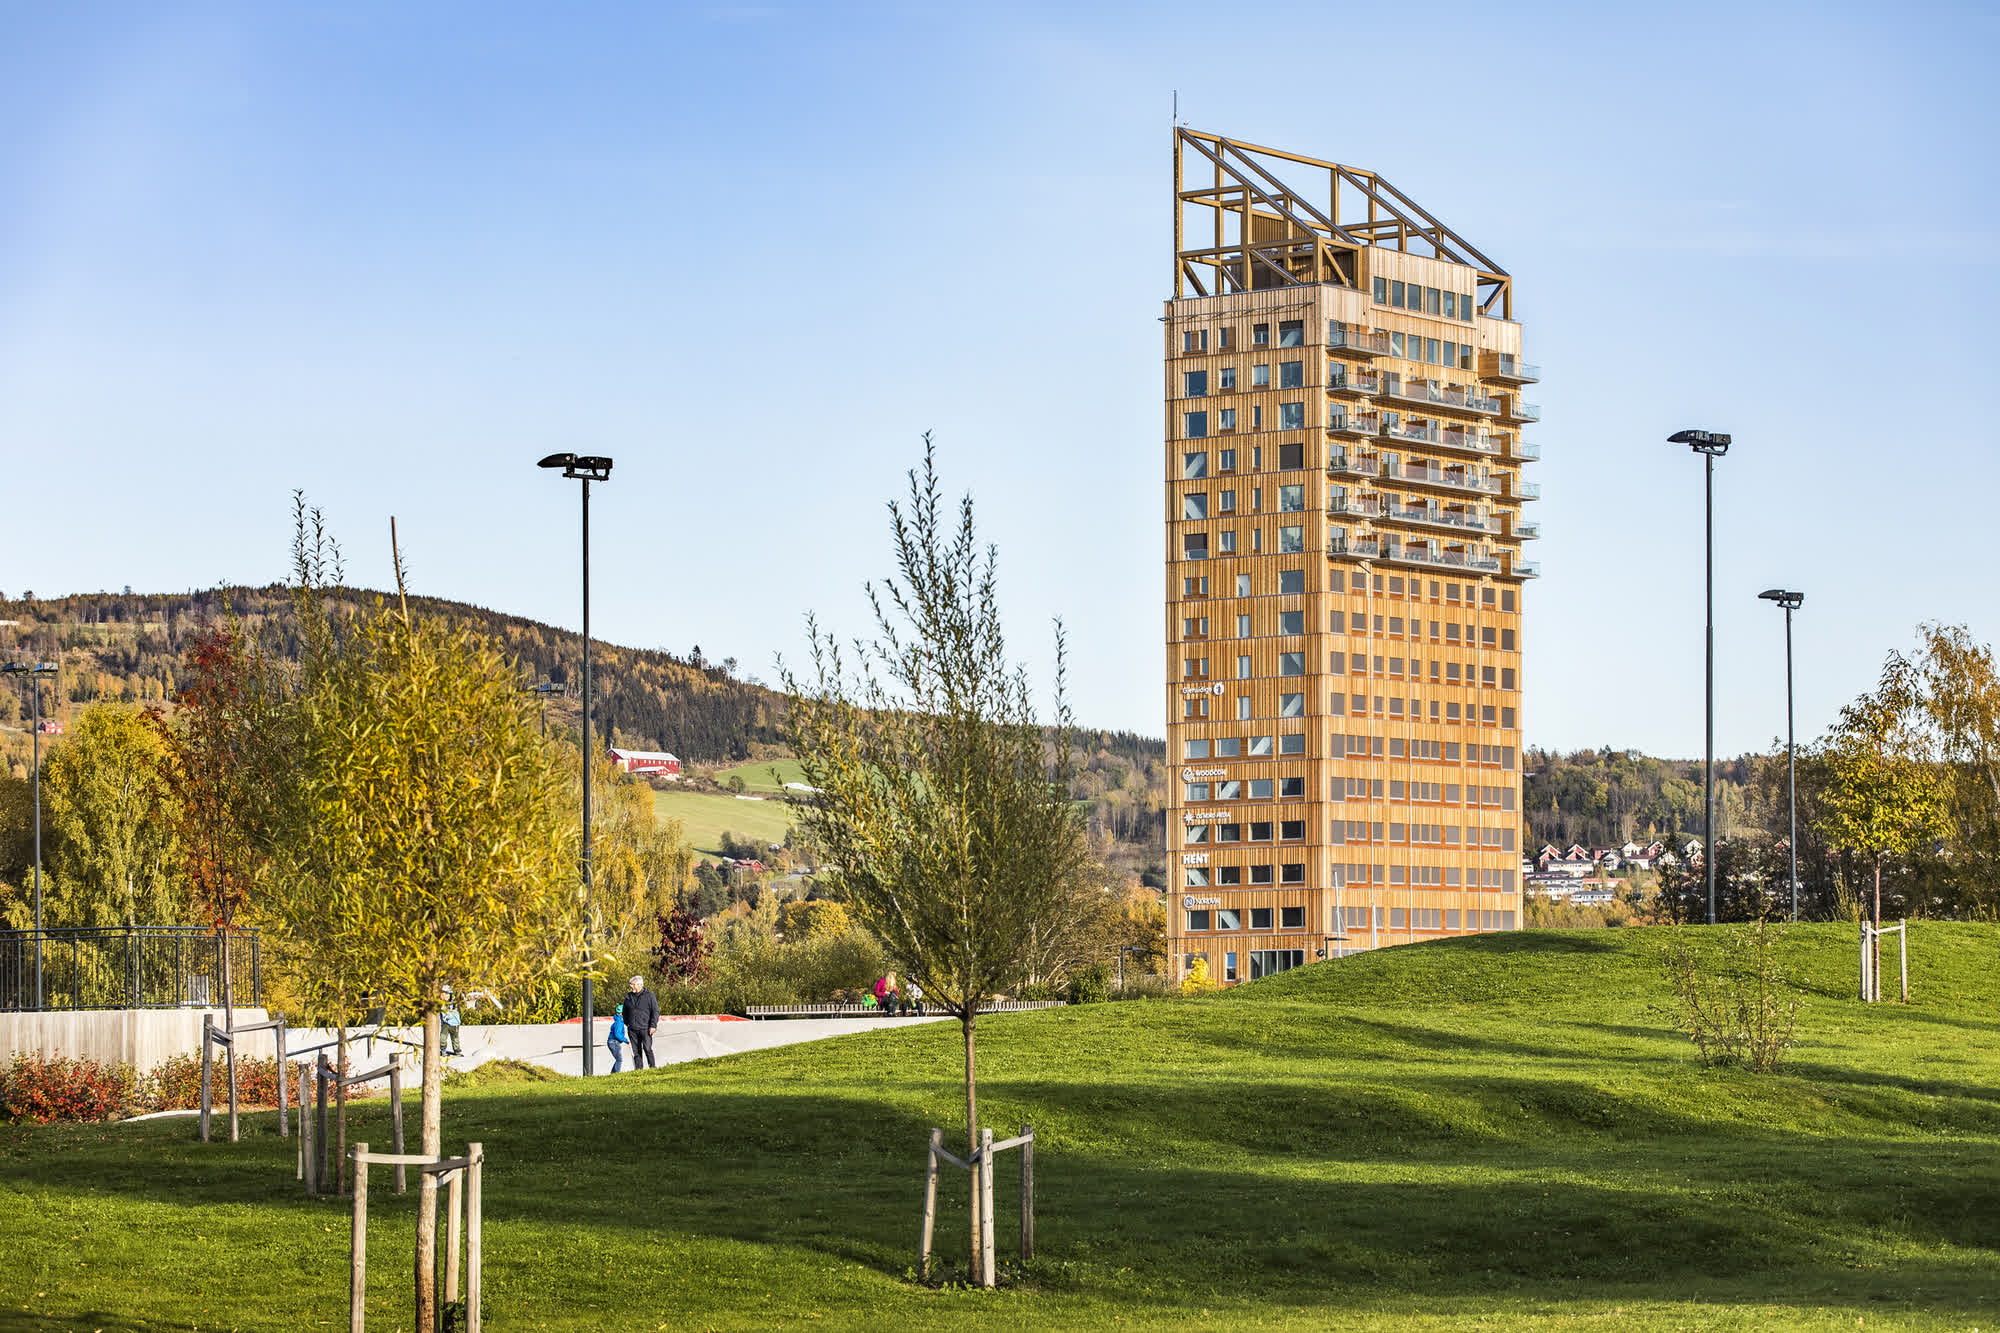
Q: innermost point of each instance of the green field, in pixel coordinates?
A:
(758, 775)
(708, 816)
(1489, 1132)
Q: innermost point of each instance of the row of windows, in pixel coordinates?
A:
(1194, 504)
(1445, 835)
(1260, 830)
(1194, 425)
(1291, 333)
(1291, 375)
(1250, 789)
(1291, 541)
(1424, 918)
(1231, 918)
(1496, 756)
(1421, 300)
(1448, 712)
(1475, 877)
(1292, 581)
(1194, 466)
(1372, 789)
(1292, 872)
(1454, 673)
(1229, 747)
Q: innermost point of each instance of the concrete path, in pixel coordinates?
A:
(679, 1040)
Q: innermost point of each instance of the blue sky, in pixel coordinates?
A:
(392, 255)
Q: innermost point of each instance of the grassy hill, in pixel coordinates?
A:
(708, 816)
(1494, 1131)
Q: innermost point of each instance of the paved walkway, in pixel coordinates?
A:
(554, 1046)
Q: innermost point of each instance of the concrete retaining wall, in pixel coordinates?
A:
(142, 1038)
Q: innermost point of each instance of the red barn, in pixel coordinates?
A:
(649, 763)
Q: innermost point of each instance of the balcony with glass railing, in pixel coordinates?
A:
(1420, 473)
(1354, 340)
(1525, 450)
(1431, 393)
(1522, 490)
(1525, 569)
(1423, 554)
(1520, 411)
(1506, 368)
(1430, 516)
(1356, 424)
(1359, 548)
(1343, 380)
(1526, 530)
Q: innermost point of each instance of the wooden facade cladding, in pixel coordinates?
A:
(1344, 584)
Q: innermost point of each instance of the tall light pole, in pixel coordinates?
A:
(1711, 446)
(35, 671)
(586, 469)
(1791, 601)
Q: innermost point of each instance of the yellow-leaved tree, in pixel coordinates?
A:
(429, 840)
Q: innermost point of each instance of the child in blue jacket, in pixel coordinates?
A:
(615, 1043)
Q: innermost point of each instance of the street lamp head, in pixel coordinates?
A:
(1791, 601)
(1701, 441)
(584, 467)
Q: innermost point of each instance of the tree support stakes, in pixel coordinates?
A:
(981, 1261)
(464, 1178)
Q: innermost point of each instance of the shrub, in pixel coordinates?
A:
(1090, 986)
(43, 1088)
(1196, 981)
(175, 1084)
(1740, 1008)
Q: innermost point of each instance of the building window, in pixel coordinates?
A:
(1295, 743)
(1242, 664)
(1229, 833)
(1396, 295)
(1228, 540)
(1291, 664)
(1194, 340)
(1291, 830)
(1291, 416)
(1293, 872)
(1260, 377)
(1291, 456)
(1197, 750)
(1291, 540)
(1381, 291)
(1197, 920)
(1194, 546)
(1292, 333)
(1291, 499)
(1294, 622)
(1225, 420)
(1291, 787)
(1195, 877)
(1194, 587)
(1229, 874)
(1193, 466)
(1289, 581)
(1293, 918)
(1260, 918)
(1194, 505)
(1260, 335)
(1260, 789)
(1256, 423)
(1291, 374)
(1195, 425)
(1229, 965)
(1260, 747)
(1227, 918)
(1194, 384)
(1260, 874)
(1242, 627)
(1260, 831)
(1231, 790)
(1226, 460)
(1195, 791)
(1243, 708)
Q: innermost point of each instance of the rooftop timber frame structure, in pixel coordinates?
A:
(1267, 232)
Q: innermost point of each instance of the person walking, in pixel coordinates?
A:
(451, 1019)
(641, 1013)
(615, 1043)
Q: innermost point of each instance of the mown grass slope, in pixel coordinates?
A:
(1496, 1131)
(707, 816)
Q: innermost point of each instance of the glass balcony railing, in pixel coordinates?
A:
(1526, 531)
(1524, 490)
(1353, 381)
(1521, 411)
(1428, 474)
(1353, 338)
(1507, 366)
(1435, 394)
(1424, 555)
(1354, 423)
(1527, 569)
(1526, 450)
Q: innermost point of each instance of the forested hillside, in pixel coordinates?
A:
(128, 648)
(1602, 798)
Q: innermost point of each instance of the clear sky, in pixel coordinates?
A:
(392, 254)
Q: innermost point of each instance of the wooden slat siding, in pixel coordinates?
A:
(1321, 853)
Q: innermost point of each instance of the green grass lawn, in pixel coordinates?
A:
(1491, 1132)
(708, 817)
(758, 774)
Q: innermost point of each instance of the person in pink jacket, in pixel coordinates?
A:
(885, 994)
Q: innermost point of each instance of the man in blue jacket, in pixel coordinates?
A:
(641, 1013)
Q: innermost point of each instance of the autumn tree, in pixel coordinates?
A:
(109, 810)
(941, 809)
(430, 842)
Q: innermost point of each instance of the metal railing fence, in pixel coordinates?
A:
(119, 967)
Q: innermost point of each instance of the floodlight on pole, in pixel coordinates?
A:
(1710, 446)
(1790, 601)
(544, 688)
(585, 468)
(34, 673)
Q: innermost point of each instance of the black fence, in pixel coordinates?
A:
(112, 967)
